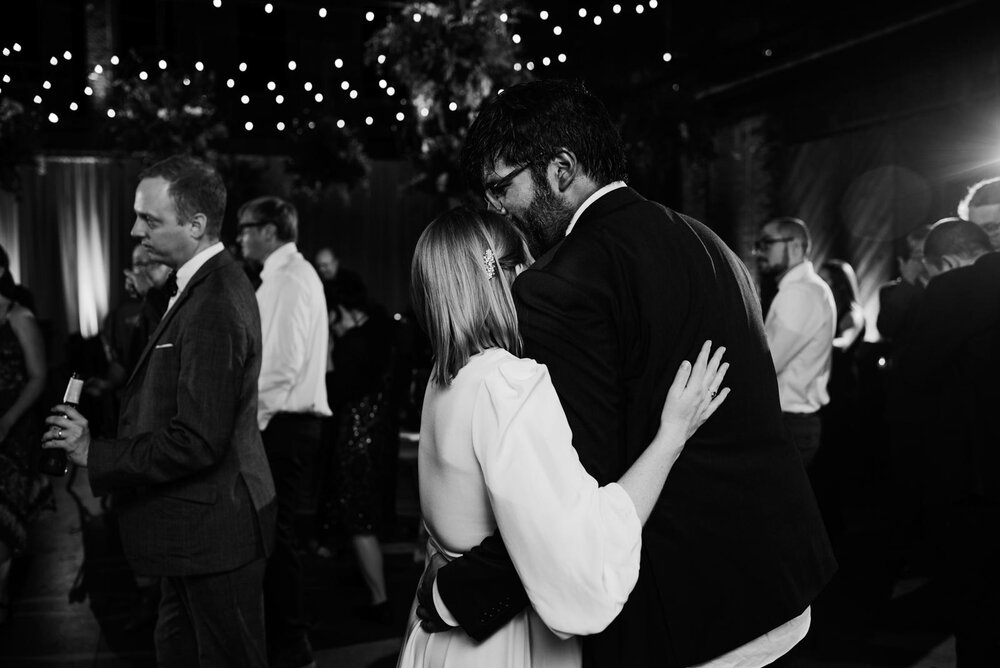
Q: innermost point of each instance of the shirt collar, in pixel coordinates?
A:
(798, 272)
(599, 193)
(191, 267)
(278, 257)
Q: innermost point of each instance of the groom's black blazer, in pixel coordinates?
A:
(735, 546)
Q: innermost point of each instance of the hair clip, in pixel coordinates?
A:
(490, 262)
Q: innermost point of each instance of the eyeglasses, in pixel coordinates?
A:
(763, 244)
(496, 191)
(242, 228)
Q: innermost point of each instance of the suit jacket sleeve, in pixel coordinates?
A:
(198, 406)
(569, 331)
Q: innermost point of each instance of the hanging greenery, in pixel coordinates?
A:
(326, 155)
(18, 141)
(450, 60)
(166, 114)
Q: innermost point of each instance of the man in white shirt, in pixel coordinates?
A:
(292, 400)
(981, 205)
(800, 327)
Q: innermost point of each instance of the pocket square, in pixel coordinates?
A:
(164, 345)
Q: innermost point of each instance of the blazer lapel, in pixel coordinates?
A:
(216, 262)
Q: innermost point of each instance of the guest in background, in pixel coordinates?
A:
(290, 405)
(840, 416)
(800, 326)
(981, 205)
(948, 368)
(334, 276)
(198, 500)
(359, 397)
(22, 380)
(897, 298)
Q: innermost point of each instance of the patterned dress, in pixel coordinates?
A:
(23, 492)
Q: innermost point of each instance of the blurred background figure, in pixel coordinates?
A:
(897, 298)
(841, 427)
(947, 375)
(981, 205)
(365, 433)
(23, 491)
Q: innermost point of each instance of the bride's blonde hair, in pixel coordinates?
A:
(460, 285)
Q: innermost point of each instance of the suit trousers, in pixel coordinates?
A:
(805, 431)
(212, 620)
(290, 441)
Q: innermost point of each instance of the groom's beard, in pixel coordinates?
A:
(545, 222)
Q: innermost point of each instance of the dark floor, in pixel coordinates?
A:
(74, 599)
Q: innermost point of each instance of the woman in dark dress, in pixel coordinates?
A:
(22, 379)
(358, 391)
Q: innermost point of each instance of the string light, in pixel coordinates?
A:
(186, 81)
(292, 65)
(369, 16)
(369, 120)
(667, 57)
(17, 47)
(597, 20)
(6, 51)
(88, 91)
(390, 91)
(768, 52)
(516, 39)
(503, 17)
(400, 115)
(639, 9)
(381, 59)
(344, 85)
(279, 99)
(114, 60)
(53, 60)
(217, 3)
(425, 112)
(46, 85)
(416, 19)
(38, 99)
(546, 61)
(268, 8)
(557, 30)
(312, 125)
(517, 67)
(243, 67)
(319, 97)
(616, 8)
(341, 123)
(199, 66)
(230, 83)
(143, 75)
(162, 64)
(354, 95)
(453, 106)
(652, 4)
(562, 57)
(53, 118)
(245, 99)
(67, 55)
(543, 15)
(98, 69)
(382, 83)
(280, 126)
(271, 85)
(111, 113)
(248, 125)
(582, 13)
(338, 63)
(73, 106)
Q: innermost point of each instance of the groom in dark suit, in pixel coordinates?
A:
(622, 291)
(196, 499)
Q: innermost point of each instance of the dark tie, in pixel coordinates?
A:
(170, 287)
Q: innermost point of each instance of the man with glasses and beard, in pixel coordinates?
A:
(622, 291)
(801, 323)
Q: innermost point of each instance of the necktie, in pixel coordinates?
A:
(170, 287)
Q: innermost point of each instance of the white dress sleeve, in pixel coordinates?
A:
(575, 545)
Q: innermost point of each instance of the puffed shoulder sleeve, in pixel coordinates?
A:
(575, 545)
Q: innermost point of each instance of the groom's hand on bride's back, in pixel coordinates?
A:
(430, 620)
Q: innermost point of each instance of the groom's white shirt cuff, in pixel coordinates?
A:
(442, 609)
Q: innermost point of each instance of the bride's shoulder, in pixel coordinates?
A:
(511, 375)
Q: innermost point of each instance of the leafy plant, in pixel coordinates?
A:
(327, 155)
(449, 62)
(18, 141)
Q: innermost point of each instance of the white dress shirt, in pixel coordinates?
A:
(191, 267)
(293, 322)
(800, 327)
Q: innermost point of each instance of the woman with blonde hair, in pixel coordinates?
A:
(496, 453)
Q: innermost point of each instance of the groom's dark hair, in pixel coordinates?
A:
(532, 121)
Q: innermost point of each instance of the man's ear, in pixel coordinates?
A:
(199, 226)
(567, 169)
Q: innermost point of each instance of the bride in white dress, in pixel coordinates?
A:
(495, 452)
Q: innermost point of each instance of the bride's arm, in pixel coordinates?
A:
(692, 398)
